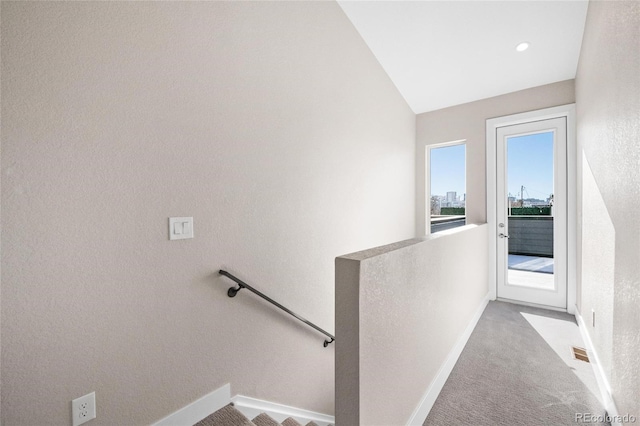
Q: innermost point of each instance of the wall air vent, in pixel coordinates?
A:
(579, 354)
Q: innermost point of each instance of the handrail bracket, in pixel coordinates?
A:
(233, 291)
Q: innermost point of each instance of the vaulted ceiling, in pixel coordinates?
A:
(444, 53)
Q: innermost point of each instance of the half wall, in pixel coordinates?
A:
(400, 309)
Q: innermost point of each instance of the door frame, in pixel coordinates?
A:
(492, 125)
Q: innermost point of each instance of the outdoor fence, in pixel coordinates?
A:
(531, 235)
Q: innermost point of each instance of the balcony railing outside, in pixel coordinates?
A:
(531, 235)
(441, 223)
(530, 229)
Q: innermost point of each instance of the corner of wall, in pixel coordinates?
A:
(347, 366)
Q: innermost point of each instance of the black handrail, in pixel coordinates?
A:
(233, 291)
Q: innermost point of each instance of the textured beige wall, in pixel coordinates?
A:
(415, 301)
(468, 121)
(608, 130)
(272, 124)
(598, 245)
(347, 366)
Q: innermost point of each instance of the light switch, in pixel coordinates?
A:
(180, 228)
(177, 228)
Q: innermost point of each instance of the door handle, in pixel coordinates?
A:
(501, 235)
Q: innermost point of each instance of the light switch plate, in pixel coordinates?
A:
(180, 228)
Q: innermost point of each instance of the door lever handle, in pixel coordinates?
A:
(501, 235)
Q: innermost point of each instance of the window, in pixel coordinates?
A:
(446, 186)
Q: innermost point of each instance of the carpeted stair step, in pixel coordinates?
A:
(265, 420)
(230, 416)
(226, 416)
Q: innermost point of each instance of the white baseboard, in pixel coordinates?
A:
(422, 411)
(601, 378)
(251, 407)
(199, 409)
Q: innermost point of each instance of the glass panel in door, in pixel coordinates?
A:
(531, 213)
(530, 210)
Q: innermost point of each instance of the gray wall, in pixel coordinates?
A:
(467, 121)
(272, 124)
(608, 130)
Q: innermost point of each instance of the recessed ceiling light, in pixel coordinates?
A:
(522, 46)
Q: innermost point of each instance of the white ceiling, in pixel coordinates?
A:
(444, 53)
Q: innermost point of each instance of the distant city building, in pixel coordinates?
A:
(451, 197)
(450, 200)
(537, 203)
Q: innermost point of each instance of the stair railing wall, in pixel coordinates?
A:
(400, 309)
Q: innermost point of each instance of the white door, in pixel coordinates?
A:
(532, 212)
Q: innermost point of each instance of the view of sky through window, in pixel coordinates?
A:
(530, 164)
(448, 170)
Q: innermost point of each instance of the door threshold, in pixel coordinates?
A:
(533, 305)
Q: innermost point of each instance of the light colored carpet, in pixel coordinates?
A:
(508, 375)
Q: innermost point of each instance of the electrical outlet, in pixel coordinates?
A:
(83, 409)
